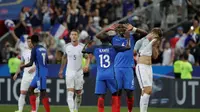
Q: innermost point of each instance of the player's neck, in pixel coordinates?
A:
(75, 43)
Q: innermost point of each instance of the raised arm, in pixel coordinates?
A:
(136, 30)
(102, 32)
(155, 49)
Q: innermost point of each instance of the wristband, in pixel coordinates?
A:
(134, 29)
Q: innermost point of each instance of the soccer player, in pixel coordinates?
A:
(28, 75)
(124, 65)
(74, 71)
(147, 48)
(105, 55)
(39, 57)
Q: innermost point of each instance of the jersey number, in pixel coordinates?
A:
(44, 57)
(74, 57)
(104, 61)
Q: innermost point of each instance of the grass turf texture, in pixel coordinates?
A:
(12, 108)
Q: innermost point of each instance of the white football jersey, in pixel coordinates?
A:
(25, 57)
(146, 47)
(23, 45)
(74, 56)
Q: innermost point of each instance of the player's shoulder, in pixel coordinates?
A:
(67, 45)
(81, 45)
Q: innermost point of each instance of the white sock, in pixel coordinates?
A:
(37, 102)
(144, 101)
(78, 100)
(21, 102)
(70, 100)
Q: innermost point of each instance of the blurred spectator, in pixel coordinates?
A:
(83, 19)
(6, 51)
(194, 50)
(58, 57)
(186, 68)
(178, 4)
(117, 4)
(182, 36)
(46, 18)
(13, 63)
(72, 15)
(35, 19)
(168, 55)
(105, 5)
(127, 6)
(147, 2)
(156, 17)
(190, 56)
(196, 26)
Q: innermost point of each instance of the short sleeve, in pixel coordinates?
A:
(138, 44)
(33, 54)
(116, 41)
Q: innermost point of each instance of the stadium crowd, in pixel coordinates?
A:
(90, 16)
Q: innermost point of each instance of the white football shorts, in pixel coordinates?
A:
(144, 75)
(74, 79)
(26, 81)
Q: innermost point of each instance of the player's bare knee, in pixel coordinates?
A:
(70, 89)
(148, 90)
(23, 92)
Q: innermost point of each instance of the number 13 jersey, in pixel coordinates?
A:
(74, 56)
(104, 55)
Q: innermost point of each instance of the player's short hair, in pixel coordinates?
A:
(35, 38)
(157, 31)
(29, 37)
(74, 30)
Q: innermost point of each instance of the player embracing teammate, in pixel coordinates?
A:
(105, 56)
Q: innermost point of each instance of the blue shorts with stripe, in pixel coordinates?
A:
(39, 81)
(125, 78)
(103, 85)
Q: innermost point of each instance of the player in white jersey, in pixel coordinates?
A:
(74, 71)
(147, 48)
(28, 75)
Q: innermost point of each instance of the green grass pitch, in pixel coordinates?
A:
(12, 108)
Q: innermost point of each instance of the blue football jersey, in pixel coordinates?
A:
(123, 59)
(40, 57)
(104, 55)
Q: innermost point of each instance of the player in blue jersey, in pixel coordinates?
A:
(124, 61)
(105, 55)
(39, 57)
